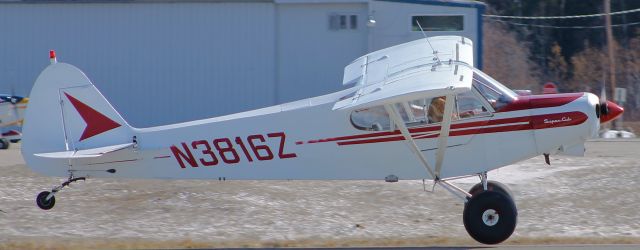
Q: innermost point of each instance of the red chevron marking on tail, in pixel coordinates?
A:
(97, 123)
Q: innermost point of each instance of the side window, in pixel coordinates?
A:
(343, 21)
(419, 112)
(490, 91)
(469, 106)
(424, 111)
(413, 113)
(438, 23)
(372, 119)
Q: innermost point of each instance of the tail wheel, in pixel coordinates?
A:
(490, 217)
(4, 143)
(492, 186)
(42, 201)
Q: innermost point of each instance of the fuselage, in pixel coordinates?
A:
(309, 140)
(359, 133)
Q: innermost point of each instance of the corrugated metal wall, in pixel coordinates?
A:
(157, 63)
(161, 62)
(394, 23)
(311, 56)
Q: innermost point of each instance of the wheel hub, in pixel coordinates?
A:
(490, 217)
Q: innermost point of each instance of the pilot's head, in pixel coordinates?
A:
(436, 109)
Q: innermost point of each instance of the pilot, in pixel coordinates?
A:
(436, 109)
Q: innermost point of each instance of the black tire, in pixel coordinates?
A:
(490, 217)
(492, 186)
(4, 143)
(42, 201)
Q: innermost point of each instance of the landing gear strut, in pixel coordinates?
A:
(46, 200)
(491, 186)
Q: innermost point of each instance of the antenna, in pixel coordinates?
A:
(435, 53)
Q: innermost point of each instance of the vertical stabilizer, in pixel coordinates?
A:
(67, 113)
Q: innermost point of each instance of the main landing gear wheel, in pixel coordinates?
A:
(42, 201)
(491, 186)
(490, 217)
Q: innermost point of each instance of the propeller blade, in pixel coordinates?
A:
(603, 93)
(604, 104)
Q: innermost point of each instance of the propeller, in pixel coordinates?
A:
(607, 110)
(604, 105)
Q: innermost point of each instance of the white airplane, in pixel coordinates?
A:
(418, 110)
(11, 114)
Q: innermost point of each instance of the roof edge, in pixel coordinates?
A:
(449, 3)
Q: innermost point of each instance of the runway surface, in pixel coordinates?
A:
(590, 200)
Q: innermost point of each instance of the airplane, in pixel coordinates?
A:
(11, 114)
(414, 111)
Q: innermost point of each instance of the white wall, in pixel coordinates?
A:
(164, 62)
(311, 57)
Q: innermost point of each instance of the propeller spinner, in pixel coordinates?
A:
(608, 109)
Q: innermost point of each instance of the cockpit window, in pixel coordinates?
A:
(420, 112)
(486, 95)
(469, 106)
(372, 119)
(496, 94)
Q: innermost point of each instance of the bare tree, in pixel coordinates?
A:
(507, 59)
(557, 66)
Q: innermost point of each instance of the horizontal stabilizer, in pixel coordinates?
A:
(85, 153)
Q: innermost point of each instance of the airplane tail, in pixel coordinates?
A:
(67, 114)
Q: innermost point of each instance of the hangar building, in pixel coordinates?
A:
(166, 61)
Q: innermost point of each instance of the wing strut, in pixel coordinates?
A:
(442, 138)
(444, 132)
(397, 119)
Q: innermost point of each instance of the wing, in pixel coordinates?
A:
(410, 71)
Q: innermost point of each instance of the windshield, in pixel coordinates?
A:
(497, 94)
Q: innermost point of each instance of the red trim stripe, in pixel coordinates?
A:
(470, 128)
(426, 129)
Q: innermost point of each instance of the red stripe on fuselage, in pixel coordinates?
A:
(425, 129)
(472, 128)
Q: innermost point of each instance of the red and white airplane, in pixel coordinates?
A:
(11, 114)
(418, 110)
